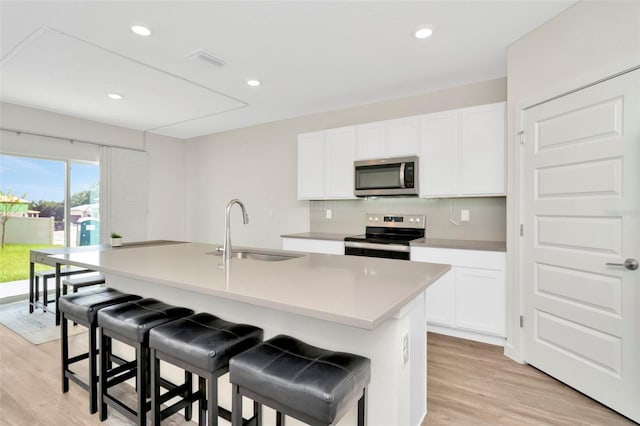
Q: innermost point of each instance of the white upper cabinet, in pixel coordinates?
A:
(402, 137)
(439, 156)
(462, 152)
(483, 149)
(339, 152)
(325, 164)
(391, 138)
(370, 141)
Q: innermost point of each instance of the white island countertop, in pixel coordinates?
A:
(355, 291)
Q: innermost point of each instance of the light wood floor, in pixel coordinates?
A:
(469, 384)
(473, 383)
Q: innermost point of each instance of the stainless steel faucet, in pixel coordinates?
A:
(227, 226)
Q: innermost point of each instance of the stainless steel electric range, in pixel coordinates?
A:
(387, 236)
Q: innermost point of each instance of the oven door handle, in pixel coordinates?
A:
(374, 246)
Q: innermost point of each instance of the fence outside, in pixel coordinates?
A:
(29, 230)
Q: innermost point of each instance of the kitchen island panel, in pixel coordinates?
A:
(397, 392)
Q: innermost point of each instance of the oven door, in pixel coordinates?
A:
(386, 251)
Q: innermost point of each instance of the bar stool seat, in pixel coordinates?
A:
(130, 323)
(82, 308)
(314, 385)
(202, 344)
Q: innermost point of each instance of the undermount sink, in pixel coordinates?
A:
(257, 255)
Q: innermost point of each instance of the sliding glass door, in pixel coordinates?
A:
(84, 212)
(43, 203)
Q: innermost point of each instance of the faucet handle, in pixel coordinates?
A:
(220, 249)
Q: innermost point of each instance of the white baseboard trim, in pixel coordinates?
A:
(469, 335)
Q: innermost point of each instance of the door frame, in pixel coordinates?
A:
(515, 267)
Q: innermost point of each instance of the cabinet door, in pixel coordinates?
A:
(311, 166)
(339, 149)
(402, 137)
(483, 150)
(480, 300)
(370, 142)
(439, 156)
(440, 301)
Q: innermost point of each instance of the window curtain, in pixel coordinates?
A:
(124, 192)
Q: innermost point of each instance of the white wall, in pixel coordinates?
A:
(37, 121)
(587, 42)
(258, 165)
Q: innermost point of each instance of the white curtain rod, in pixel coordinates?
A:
(72, 140)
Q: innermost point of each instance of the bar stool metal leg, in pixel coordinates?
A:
(142, 357)
(64, 345)
(155, 388)
(212, 400)
(236, 406)
(102, 384)
(362, 409)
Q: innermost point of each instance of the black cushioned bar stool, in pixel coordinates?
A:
(313, 385)
(201, 344)
(130, 323)
(82, 308)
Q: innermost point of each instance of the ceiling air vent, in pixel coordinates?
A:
(208, 57)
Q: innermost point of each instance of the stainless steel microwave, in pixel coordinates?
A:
(386, 177)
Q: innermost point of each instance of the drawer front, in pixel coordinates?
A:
(313, 246)
(494, 260)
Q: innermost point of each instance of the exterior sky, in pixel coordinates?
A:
(39, 179)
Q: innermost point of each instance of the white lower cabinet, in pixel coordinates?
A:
(480, 302)
(313, 246)
(469, 301)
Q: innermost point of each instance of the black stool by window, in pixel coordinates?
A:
(201, 344)
(82, 308)
(313, 385)
(130, 323)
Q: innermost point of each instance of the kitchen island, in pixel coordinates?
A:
(368, 306)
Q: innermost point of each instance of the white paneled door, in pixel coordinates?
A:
(581, 216)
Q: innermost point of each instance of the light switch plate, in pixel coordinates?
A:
(464, 215)
(328, 214)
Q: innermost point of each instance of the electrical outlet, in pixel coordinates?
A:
(464, 215)
(405, 348)
(328, 214)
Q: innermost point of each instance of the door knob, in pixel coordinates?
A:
(630, 264)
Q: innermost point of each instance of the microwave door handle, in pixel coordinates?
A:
(402, 174)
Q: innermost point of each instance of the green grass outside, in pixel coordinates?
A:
(14, 261)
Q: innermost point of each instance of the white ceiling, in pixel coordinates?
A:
(311, 56)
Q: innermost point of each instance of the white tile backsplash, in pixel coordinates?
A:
(487, 214)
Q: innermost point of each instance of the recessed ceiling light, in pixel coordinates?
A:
(253, 83)
(115, 95)
(423, 33)
(141, 30)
